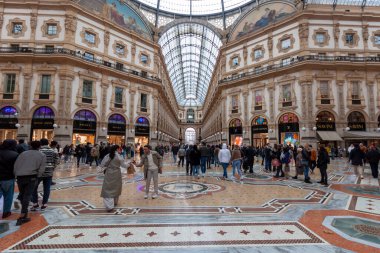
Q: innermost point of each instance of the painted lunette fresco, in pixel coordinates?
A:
(261, 17)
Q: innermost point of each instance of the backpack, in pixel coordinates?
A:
(285, 157)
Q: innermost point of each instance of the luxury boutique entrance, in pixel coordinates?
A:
(142, 130)
(235, 132)
(84, 127)
(288, 129)
(259, 131)
(8, 123)
(116, 129)
(43, 124)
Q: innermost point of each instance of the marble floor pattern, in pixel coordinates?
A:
(258, 213)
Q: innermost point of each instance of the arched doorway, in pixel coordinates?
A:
(235, 132)
(42, 124)
(116, 129)
(84, 127)
(142, 130)
(326, 130)
(8, 121)
(356, 121)
(190, 136)
(288, 129)
(259, 130)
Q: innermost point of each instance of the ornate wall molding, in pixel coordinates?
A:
(355, 37)
(10, 25)
(91, 31)
(326, 36)
(121, 43)
(44, 29)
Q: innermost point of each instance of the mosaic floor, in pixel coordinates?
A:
(259, 213)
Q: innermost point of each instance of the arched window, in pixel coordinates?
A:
(259, 120)
(288, 118)
(85, 115)
(190, 136)
(8, 112)
(117, 119)
(356, 121)
(142, 122)
(43, 112)
(356, 117)
(325, 121)
(190, 115)
(235, 123)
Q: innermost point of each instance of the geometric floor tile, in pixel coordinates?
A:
(168, 235)
(356, 229)
(368, 205)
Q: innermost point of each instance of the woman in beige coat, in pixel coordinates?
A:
(112, 183)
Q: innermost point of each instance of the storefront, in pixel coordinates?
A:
(288, 129)
(326, 130)
(42, 124)
(235, 132)
(116, 129)
(142, 131)
(356, 131)
(8, 123)
(84, 127)
(259, 130)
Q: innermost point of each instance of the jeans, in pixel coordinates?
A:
(375, 169)
(78, 160)
(313, 164)
(216, 161)
(7, 190)
(175, 157)
(196, 170)
(203, 164)
(279, 171)
(26, 185)
(46, 181)
(268, 164)
(224, 165)
(94, 158)
(306, 170)
(236, 167)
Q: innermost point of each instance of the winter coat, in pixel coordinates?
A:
(195, 157)
(181, 152)
(357, 156)
(373, 156)
(112, 183)
(204, 151)
(323, 159)
(7, 161)
(224, 154)
(236, 154)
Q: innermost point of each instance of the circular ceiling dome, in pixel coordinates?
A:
(195, 7)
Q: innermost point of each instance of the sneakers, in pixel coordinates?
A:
(43, 207)
(154, 196)
(145, 196)
(21, 221)
(16, 204)
(361, 177)
(34, 208)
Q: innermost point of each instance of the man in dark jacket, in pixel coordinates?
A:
(306, 154)
(8, 156)
(356, 157)
(22, 146)
(195, 160)
(175, 149)
(204, 157)
(373, 157)
(249, 156)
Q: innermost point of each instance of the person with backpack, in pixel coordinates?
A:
(313, 159)
(373, 157)
(181, 155)
(268, 158)
(188, 160)
(276, 162)
(95, 154)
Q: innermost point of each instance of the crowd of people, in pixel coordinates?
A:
(35, 163)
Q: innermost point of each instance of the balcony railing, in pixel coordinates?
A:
(306, 58)
(76, 54)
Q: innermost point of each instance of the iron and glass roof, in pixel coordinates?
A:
(190, 51)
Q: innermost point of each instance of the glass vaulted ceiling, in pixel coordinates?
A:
(195, 7)
(190, 51)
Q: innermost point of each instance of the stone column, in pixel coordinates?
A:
(131, 134)
(246, 134)
(63, 133)
(371, 101)
(153, 127)
(25, 115)
(102, 124)
(272, 124)
(224, 119)
(308, 136)
(340, 100)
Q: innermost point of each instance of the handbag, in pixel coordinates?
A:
(275, 162)
(131, 169)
